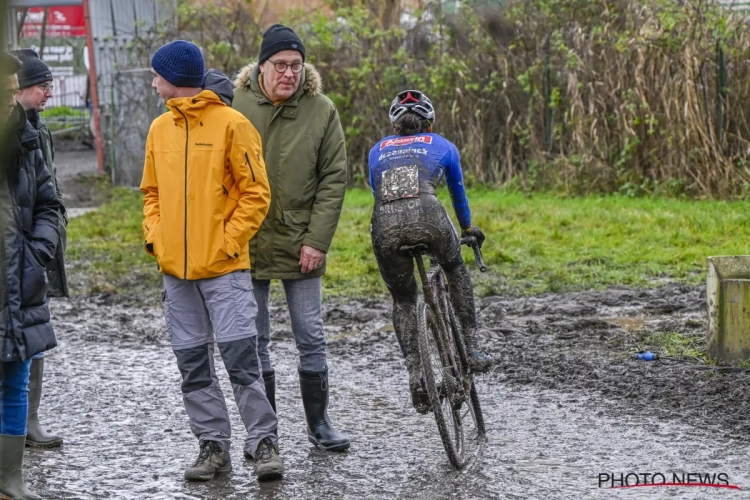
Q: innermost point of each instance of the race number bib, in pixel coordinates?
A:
(401, 182)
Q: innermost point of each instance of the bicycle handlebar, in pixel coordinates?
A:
(472, 242)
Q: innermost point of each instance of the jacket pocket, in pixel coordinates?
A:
(295, 229)
(34, 279)
(312, 152)
(154, 239)
(250, 166)
(245, 309)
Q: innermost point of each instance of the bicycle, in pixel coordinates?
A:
(442, 352)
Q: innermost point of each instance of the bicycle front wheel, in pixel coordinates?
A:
(441, 378)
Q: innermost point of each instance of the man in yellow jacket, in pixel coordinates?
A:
(206, 193)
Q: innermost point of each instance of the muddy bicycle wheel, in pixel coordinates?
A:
(473, 408)
(441, 384)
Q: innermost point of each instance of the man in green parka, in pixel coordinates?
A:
(305, 156)
(35, 89)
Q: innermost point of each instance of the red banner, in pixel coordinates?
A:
(61, 22)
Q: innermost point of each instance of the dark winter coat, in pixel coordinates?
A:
(58, 279)
(30, 217)
(305, 155)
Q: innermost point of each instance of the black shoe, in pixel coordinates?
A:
(211, 459)
(419, 398)
(320, 430)
(268, 463)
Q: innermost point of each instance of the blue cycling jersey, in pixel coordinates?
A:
(433, 155)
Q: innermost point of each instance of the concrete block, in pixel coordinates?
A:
(728, 300)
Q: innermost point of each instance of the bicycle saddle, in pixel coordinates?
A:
(413, 250)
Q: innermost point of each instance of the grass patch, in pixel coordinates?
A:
(676, 345)
(543, 243)
(105, 247)
(534, 243)
(63, 111)
(63, 117)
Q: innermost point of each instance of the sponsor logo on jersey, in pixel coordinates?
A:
(404, 141)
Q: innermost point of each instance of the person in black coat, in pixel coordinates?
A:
(35, 82)
(29, 215)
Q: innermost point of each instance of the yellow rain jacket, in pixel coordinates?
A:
(205, 188)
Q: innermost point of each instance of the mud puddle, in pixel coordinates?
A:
(565, 404)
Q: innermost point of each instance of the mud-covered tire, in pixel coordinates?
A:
(425, 334)
(461, 348)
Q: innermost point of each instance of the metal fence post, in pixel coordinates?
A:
(548, 100)
(720, 90)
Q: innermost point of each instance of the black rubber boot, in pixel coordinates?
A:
(11, 469)
(320, 430)
(36, 435)
(269, 378)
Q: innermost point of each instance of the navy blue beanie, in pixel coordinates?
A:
(180, 63)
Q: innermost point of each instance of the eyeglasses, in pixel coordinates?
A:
(8, 94)
(44, 87)
(281, 67)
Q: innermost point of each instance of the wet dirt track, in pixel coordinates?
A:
(565, 404)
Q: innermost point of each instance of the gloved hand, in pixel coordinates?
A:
(475, 232)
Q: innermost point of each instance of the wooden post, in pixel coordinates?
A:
(728, 300)
(94, 85)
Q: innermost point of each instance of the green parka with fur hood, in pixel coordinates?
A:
(305, 156)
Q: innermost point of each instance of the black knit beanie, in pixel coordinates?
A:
(277, 38)
(34, 71)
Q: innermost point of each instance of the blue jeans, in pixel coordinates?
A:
(14, 397)
(305, 300)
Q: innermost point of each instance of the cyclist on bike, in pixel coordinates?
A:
(405, 169)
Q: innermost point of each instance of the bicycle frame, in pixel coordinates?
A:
(433, 281)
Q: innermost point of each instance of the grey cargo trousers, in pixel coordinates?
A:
(222, 309)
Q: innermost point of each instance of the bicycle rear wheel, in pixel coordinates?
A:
(441, 376)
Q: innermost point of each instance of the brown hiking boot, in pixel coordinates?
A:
(267, 461)
(211, 459)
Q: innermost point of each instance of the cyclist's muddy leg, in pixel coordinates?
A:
(398, 274)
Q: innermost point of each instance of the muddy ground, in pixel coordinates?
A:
(566, 402)
(82, 186)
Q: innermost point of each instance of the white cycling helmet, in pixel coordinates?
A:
(414, 101)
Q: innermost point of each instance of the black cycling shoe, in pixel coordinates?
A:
(419, 397)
